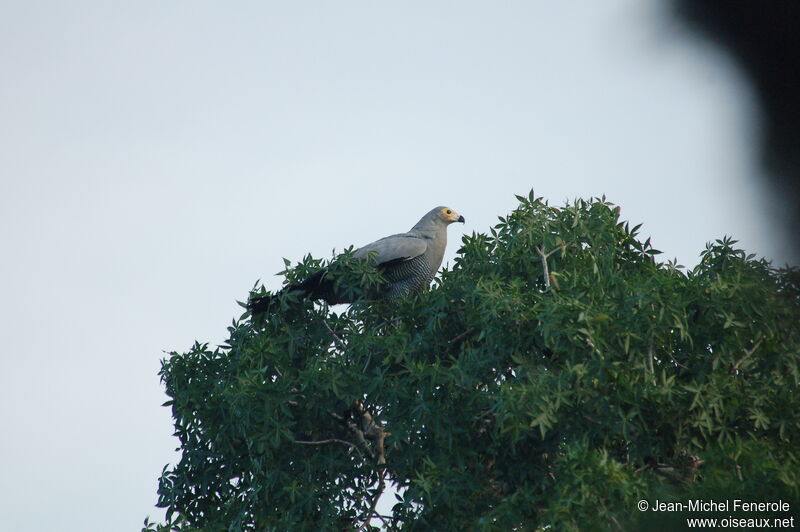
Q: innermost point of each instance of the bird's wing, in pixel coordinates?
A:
(395, 248)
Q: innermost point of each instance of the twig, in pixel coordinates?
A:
(330, 440)
(462, 336)
(359, 434)
(674, 473)
(383, 518)
(361, 439)
(335, 336)
(747, 354)
(672, 358)
(544, 256)
(374, 504)
(590, 419)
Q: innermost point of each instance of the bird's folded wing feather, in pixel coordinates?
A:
(394, 248)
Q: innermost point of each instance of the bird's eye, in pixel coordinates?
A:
(449, 211)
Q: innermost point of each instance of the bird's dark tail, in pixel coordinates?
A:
(317, 286)
(260, 304)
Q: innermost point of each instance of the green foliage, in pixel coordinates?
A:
(509, 399)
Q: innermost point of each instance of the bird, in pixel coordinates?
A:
(408, 262)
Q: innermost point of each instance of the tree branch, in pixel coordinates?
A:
(330, 440)
(747, 354)
(374, 504)
(364, 427)
(544, 256)
(336, 338)
(462, 336)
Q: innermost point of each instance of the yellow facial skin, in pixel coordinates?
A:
(451, 215)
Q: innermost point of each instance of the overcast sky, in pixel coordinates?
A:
(157, 158)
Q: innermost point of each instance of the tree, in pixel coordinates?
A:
(554, 377)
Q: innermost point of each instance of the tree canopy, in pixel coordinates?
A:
(553, 377)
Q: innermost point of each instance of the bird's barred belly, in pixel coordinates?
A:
(409, 276)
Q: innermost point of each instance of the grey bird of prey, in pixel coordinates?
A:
(408, 261)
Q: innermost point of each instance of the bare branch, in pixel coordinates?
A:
(330, 440)
(336, 338)
(672, 358)
(544, 256)
(462, 336)
(357, 432)
(747, 354)
(374, 504)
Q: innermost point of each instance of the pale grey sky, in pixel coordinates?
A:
(158, 157)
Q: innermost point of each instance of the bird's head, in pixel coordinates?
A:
(449, 215)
